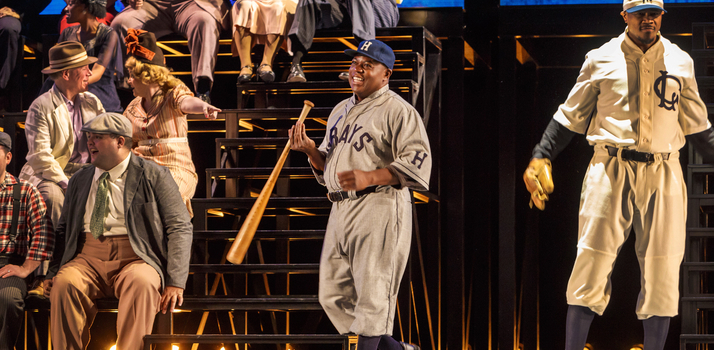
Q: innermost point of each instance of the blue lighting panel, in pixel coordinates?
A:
(56, 6)
(586, 2)
(432, 3)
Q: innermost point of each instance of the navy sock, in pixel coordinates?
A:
(656, 329)
(367, 343)
(297, 56)
(577, 327)
(386, 342)
(203, 85)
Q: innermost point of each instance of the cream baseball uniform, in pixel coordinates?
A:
(368, 238)
(646, 102)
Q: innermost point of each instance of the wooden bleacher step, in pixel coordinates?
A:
(327, 92)
(257, 172)
(248, 338)
(256, 268)
(253, 141)
(216, 303)
(261, 234)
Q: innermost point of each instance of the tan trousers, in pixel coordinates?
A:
(104, 268)
(619, 196)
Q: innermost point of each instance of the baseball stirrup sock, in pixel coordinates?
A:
(577, 327)
(386, 342)
(656, 329)
(367, 343)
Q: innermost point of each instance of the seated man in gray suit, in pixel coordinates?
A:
(125, 233)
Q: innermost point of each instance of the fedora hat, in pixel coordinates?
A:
(67, 55)
(142, 45)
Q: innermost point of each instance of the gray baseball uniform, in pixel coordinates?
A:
(368, 238)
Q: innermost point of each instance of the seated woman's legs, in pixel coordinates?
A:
(265, 71)
(244, 41)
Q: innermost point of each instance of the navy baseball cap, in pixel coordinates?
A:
(375, 50)
(631, 6)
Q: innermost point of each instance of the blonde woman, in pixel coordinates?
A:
(158, 113)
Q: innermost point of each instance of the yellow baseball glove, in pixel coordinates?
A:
(539, 181)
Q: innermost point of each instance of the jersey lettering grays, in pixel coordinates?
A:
(381, 131)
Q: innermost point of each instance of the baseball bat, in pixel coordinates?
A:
(250, 224)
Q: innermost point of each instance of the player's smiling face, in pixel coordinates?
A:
(367, 76)
(643, 26)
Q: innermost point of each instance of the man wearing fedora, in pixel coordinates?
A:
(636, 100)
(375, 150)
(26, 239)
(125, 233)
(56, 146)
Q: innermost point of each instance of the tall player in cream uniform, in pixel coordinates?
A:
(636, 99)
(375, 149)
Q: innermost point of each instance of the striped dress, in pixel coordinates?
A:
(157, 136)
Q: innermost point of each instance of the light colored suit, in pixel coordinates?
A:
(159, 232)
(50, 136)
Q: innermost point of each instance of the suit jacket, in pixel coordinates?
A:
(157, 221)
(50, 134)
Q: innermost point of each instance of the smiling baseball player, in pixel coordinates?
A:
(635, 99)
(375, 149)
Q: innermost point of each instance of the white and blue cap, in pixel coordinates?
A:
(109, 123)
(631, 6)
(375, 50)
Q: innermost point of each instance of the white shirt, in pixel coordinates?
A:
(114, 224)
(646, 101)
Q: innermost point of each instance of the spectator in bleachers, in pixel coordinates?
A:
(56, 146)
(197, 20)
(16, 17)
(108, 18)
(99, 40)
(158, 113)
(10, 28)
(310, 15)
(260, 22)
(28, 239)
(125, 234)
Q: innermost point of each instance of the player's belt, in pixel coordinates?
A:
(629, 154)
(338, 196)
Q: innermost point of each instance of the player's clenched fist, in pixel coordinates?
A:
(353, 180)
(539, 181)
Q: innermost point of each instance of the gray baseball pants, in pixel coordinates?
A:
(364, 254)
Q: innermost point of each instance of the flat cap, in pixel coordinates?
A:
(5, 140)
(109, 123)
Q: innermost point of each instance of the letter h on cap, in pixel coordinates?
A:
(366, 45)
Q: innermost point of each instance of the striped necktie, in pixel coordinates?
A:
(96, 223)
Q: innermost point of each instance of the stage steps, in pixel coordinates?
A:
(697, 299)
